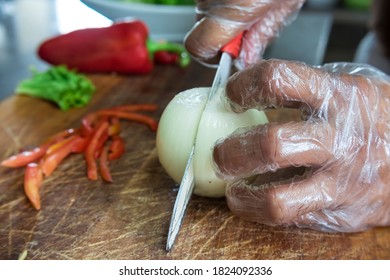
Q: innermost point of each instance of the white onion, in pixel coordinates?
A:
(178, 129)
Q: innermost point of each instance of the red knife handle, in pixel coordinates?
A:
(234, 46)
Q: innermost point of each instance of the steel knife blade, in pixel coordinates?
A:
(229, 52)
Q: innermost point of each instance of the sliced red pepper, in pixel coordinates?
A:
(102, 140)
(79, 145)
(61, 135)
(117, 148)
(132, 117)
(90, 139)
(32, 182)
(115, 127)
(91, 150)
(26, 157)
(134, 107)
(103, 164)
(88, 123)
(50, 162)
(56, 146)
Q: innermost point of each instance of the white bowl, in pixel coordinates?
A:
(164, 22)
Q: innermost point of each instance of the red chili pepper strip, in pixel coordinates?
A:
(103, 163)
(86, 128)
(24, 158)
(32, 182)
(61, 135)
(91, 149)
(51, 161)
(79, 145)
(115, 127)
(134, 107)
(87, 124)
(54, 147)
(102, 140)
(90, 139)
(117, 148)
(132, 117)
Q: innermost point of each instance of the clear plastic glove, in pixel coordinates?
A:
(343, 139)
(222, 20)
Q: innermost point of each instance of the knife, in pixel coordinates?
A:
(229, 52)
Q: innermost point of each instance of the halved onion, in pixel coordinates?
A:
(184, 123)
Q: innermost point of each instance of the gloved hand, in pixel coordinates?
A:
(343, 140)
(222, 20)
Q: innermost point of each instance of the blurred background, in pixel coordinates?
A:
(325, 31)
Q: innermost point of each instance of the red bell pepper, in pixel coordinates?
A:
(123, 47)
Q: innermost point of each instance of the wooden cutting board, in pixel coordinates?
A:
(129, 219)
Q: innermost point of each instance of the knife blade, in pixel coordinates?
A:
(187, 185)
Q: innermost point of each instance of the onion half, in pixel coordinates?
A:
(184, 123)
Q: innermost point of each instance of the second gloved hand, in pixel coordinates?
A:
(222, 20)
(343, 140)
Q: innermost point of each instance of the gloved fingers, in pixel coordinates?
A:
(222, 20)
(208, 36)
(278, 83)
(238, 11)
(282, 203)
(263, 31)
(270, 147)
(331, 220)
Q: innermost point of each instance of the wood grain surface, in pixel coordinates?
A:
(129, 219)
